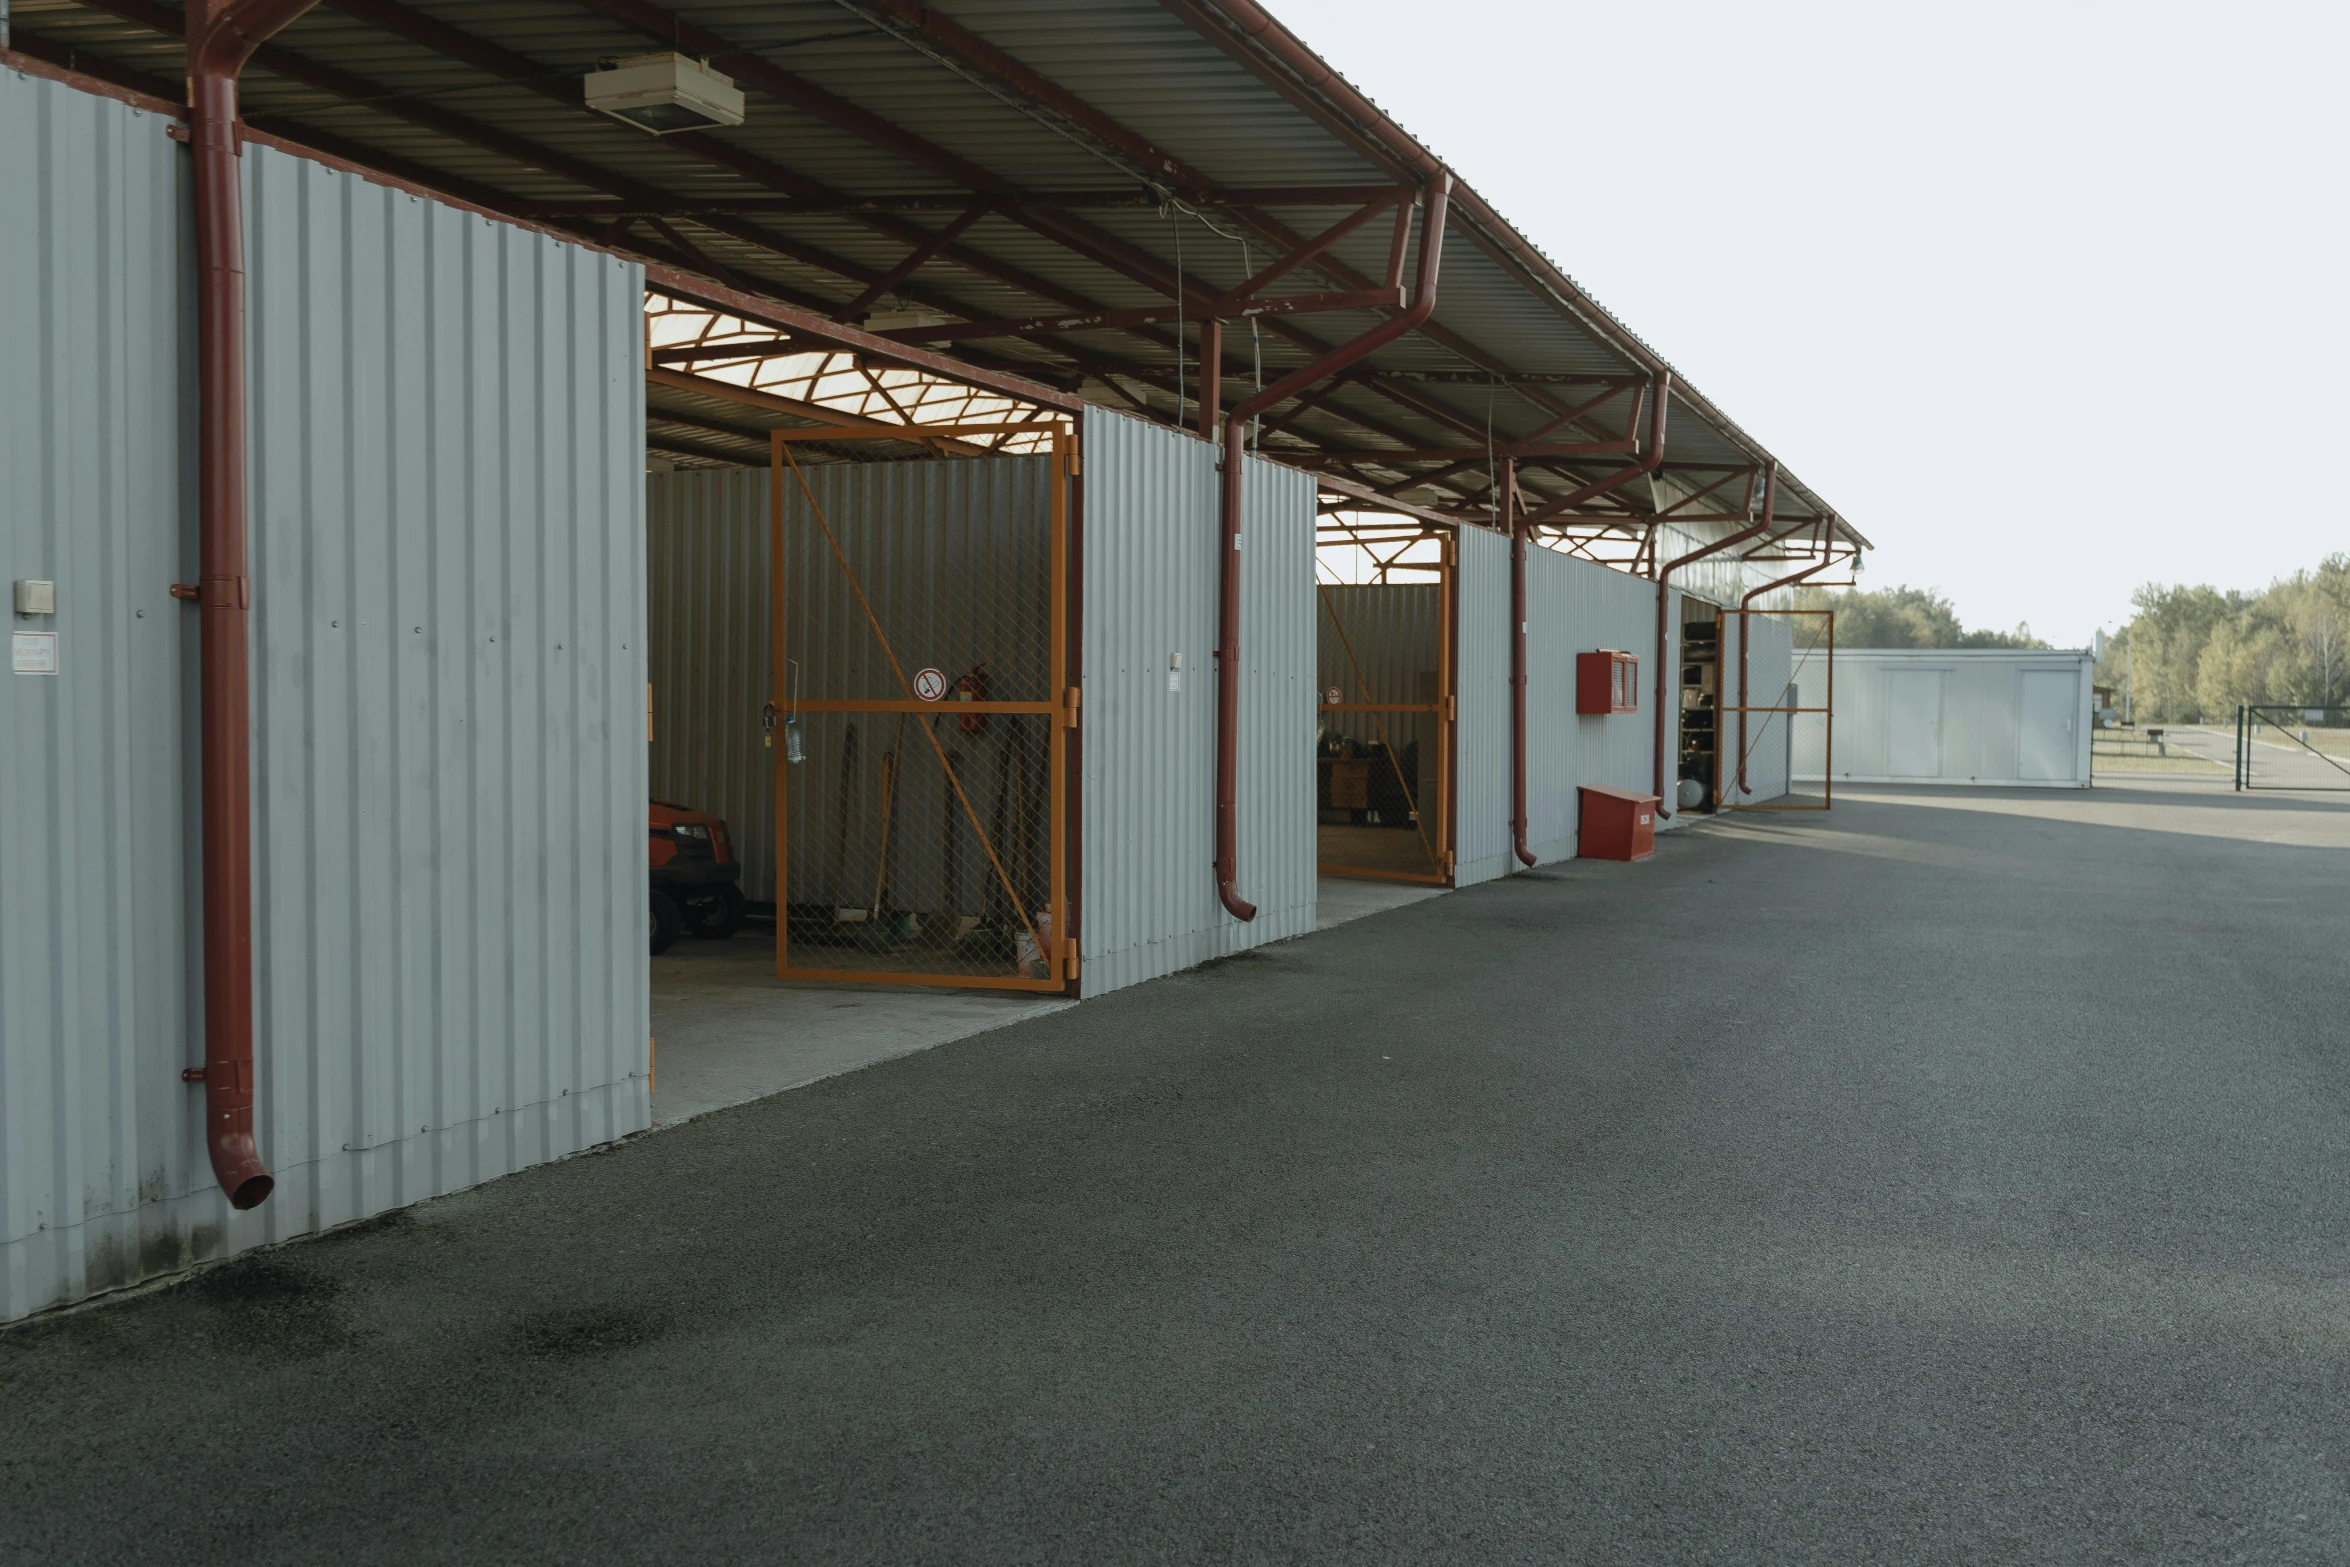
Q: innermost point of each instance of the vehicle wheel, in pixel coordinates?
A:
(718, 916)
(666, 922)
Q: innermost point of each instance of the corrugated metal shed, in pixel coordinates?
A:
(1149, 902)
(448, 678)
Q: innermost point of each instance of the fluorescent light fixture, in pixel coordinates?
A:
(662, 93)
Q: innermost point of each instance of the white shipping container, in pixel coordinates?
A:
(2000, 716)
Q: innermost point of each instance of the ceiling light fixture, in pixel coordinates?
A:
(663, 93)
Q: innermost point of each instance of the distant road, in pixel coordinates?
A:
(2276, 764)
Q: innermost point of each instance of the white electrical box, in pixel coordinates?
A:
(36, 598)
(662, 93)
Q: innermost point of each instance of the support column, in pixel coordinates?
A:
(1211, 379)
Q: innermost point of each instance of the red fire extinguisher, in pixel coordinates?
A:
(972, 688)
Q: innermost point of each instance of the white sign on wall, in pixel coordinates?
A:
(32, 652)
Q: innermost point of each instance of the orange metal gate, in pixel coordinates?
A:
(1741, 741)
(1383, 761)
(921, 717)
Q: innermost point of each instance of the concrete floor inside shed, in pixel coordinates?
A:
(727, 1031)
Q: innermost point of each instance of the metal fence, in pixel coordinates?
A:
(922, 709)
(1752, 728)
(2293, 748)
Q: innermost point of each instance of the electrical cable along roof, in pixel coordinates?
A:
(1043, 200)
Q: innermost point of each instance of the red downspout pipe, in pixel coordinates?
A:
(221, 38)
(1507, 479)
(1228, 615)
(1746, 619)
(1671, 689)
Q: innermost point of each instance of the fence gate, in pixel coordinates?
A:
(1803, 731)
(921, 713)
(2293, 748)
(1383, 753)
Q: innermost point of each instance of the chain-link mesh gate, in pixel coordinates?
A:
(1806, 731)
(923, 710)
(1383, 752)
(2293, 748)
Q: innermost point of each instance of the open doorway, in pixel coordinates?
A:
(1701, 704)
(1383, 747)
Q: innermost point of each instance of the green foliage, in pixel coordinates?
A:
(1905, 617)
(2191, 654)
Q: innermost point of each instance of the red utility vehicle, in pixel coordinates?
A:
(694, 872)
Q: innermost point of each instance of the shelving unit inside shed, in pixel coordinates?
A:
(1701, 699)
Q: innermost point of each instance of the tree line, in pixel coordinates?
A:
(1904, 617)
(2192, 654)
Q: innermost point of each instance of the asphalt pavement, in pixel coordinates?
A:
(1955, 1176)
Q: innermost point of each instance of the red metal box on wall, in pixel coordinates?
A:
(1607, 682)
(1617, 824)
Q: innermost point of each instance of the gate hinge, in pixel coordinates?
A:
(1069, 700)
(1068, 957)
(1451, 710)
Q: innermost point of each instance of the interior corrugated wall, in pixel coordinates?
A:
(1149, 904)
(448, 663)
(96, 852)
(1383, 642)
(983, 524)
(1769, 736)
(706, 630)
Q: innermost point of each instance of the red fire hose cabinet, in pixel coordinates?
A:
(1607, 682)
(1618, 824)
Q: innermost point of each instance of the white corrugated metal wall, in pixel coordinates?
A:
(96, 865)
(1573, 606)
(1149, 903)
(448, 679)
(1481, 732)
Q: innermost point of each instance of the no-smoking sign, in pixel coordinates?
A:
(930, 685)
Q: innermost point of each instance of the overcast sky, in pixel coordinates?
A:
(2048, 299)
